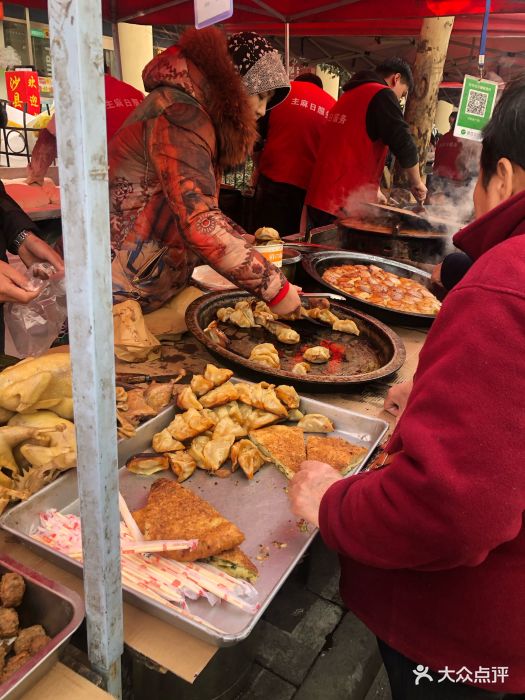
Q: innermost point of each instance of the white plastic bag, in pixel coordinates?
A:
(34, 326)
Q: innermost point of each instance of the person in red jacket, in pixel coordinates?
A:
(432, 546)
(365, 122)
(290, 133)
(121, 100)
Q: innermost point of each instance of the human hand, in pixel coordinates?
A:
(289, 304)
(397, 397)
(381, 199)
(34, 250)
(308, 487)
(13, 285)
(436, 274)
(419, 190)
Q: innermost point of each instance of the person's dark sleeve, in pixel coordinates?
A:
(385, 121)
(14, 219)
(453, 269)
(262, 127)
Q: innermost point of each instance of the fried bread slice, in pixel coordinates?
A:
(340, 454)
(236, 563)
(174, 512)
(282, 445)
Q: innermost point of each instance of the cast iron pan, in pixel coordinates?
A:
(317, 263)
(377, 352)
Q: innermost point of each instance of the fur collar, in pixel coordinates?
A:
(215, 83)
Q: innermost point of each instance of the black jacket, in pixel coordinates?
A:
(13, 220)
(385, 121)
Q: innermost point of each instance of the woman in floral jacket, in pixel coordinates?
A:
(166, 162)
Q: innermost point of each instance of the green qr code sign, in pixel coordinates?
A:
(478, 99)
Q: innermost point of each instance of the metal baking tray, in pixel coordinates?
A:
(376, 343)
(58, 609)
(258, 507)
(317, 263)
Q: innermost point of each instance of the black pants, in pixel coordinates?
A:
(278, 205)
(318, 217)
(402, 679)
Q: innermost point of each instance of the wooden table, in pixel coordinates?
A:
(147, 635)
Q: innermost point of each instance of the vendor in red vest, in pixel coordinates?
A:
(447, 159)
(290, 134)
(365, 122)
(121, 100)
(432, 545)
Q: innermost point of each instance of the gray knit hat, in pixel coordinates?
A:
(259, 65)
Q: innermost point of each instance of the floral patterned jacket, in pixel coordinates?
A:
(165, 164)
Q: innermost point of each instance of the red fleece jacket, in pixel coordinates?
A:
(433, 546)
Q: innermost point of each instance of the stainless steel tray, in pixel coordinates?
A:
(47, 603)
(259, 507)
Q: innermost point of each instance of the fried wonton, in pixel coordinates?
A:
(222, 394)
(295, 415)
(283, 333)
(182, 465)
(196, 450)
(345, 325)
(217, 375)
(265, 354)
(247, 456)
(200, 385)
(227, 427)
(190, 424)
(224, 313)
(242, 316)
(317, 354)
(287, 395)
(216, 452)
(301, 368)
(165, 442)
(323, 315)
(261, 396)
(187, 399)
(316, 423)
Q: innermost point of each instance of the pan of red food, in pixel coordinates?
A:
(389, 290)
(374, 353)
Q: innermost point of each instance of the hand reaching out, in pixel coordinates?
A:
(308, 487)
(397, 397)
(34, 250)
(13, 285)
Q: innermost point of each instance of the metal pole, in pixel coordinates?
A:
(116, 50)
(287, 47)
(76, 52)
(29, 38)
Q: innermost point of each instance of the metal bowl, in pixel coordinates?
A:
(317, 263)
(291, 258)
(376, 341)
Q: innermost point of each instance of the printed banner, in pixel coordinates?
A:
(23, 88)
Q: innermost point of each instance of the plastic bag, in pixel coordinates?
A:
(34, 326)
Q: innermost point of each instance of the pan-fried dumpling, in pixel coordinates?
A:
(317, 354)
(301, 368)
(261, 396)
(265, 354)
(196, 450)
(246, 455)
(216, 452)
(295, 415)
(262, 313)
(227, 427)
(287, 395)
(222, 394)
(229, 410)
(242, 315)
(315, 423)
(200, 385)
(187, 399)
(225, 313)
(283, 333)
(318, 314)
(345, 325)
(190, 424)
(266, 234)
(165, 442)
(217, 375)
(259, 419)
(182, 465)
(214, 333)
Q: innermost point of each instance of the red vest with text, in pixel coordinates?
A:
(349, 164)
(448, 150)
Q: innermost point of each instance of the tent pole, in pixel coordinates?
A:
(116, 50)
(76, 53)
(287, 47)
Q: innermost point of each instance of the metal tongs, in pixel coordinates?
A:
(322, 295)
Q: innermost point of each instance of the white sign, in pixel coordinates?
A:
(212, 11)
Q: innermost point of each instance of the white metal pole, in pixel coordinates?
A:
(287, 47)
(76, 52)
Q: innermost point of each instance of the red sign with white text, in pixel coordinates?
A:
(22, 87)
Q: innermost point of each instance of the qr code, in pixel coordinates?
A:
(477, 103)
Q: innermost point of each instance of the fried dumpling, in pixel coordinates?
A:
(283, 333)
(187, 399)
(242, 315)
(217, 375)
(317, 354)
(265, 354)
(190, 424)
(266, 234)
(222, 394)
(259, 419)
(196, 450)
(216, 452)
(295, 415)
(301, 368)
(244, 454)
(345, 325)
(225, 313)
(182, 465)
(229, 410)
(215, 335)
(261, 396)
(165, 442)
(227, 427)
(262, 313)
(320, 314)
(287, 395)
(316, 423)
(200, 385)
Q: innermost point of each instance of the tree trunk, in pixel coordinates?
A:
(421, 107)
